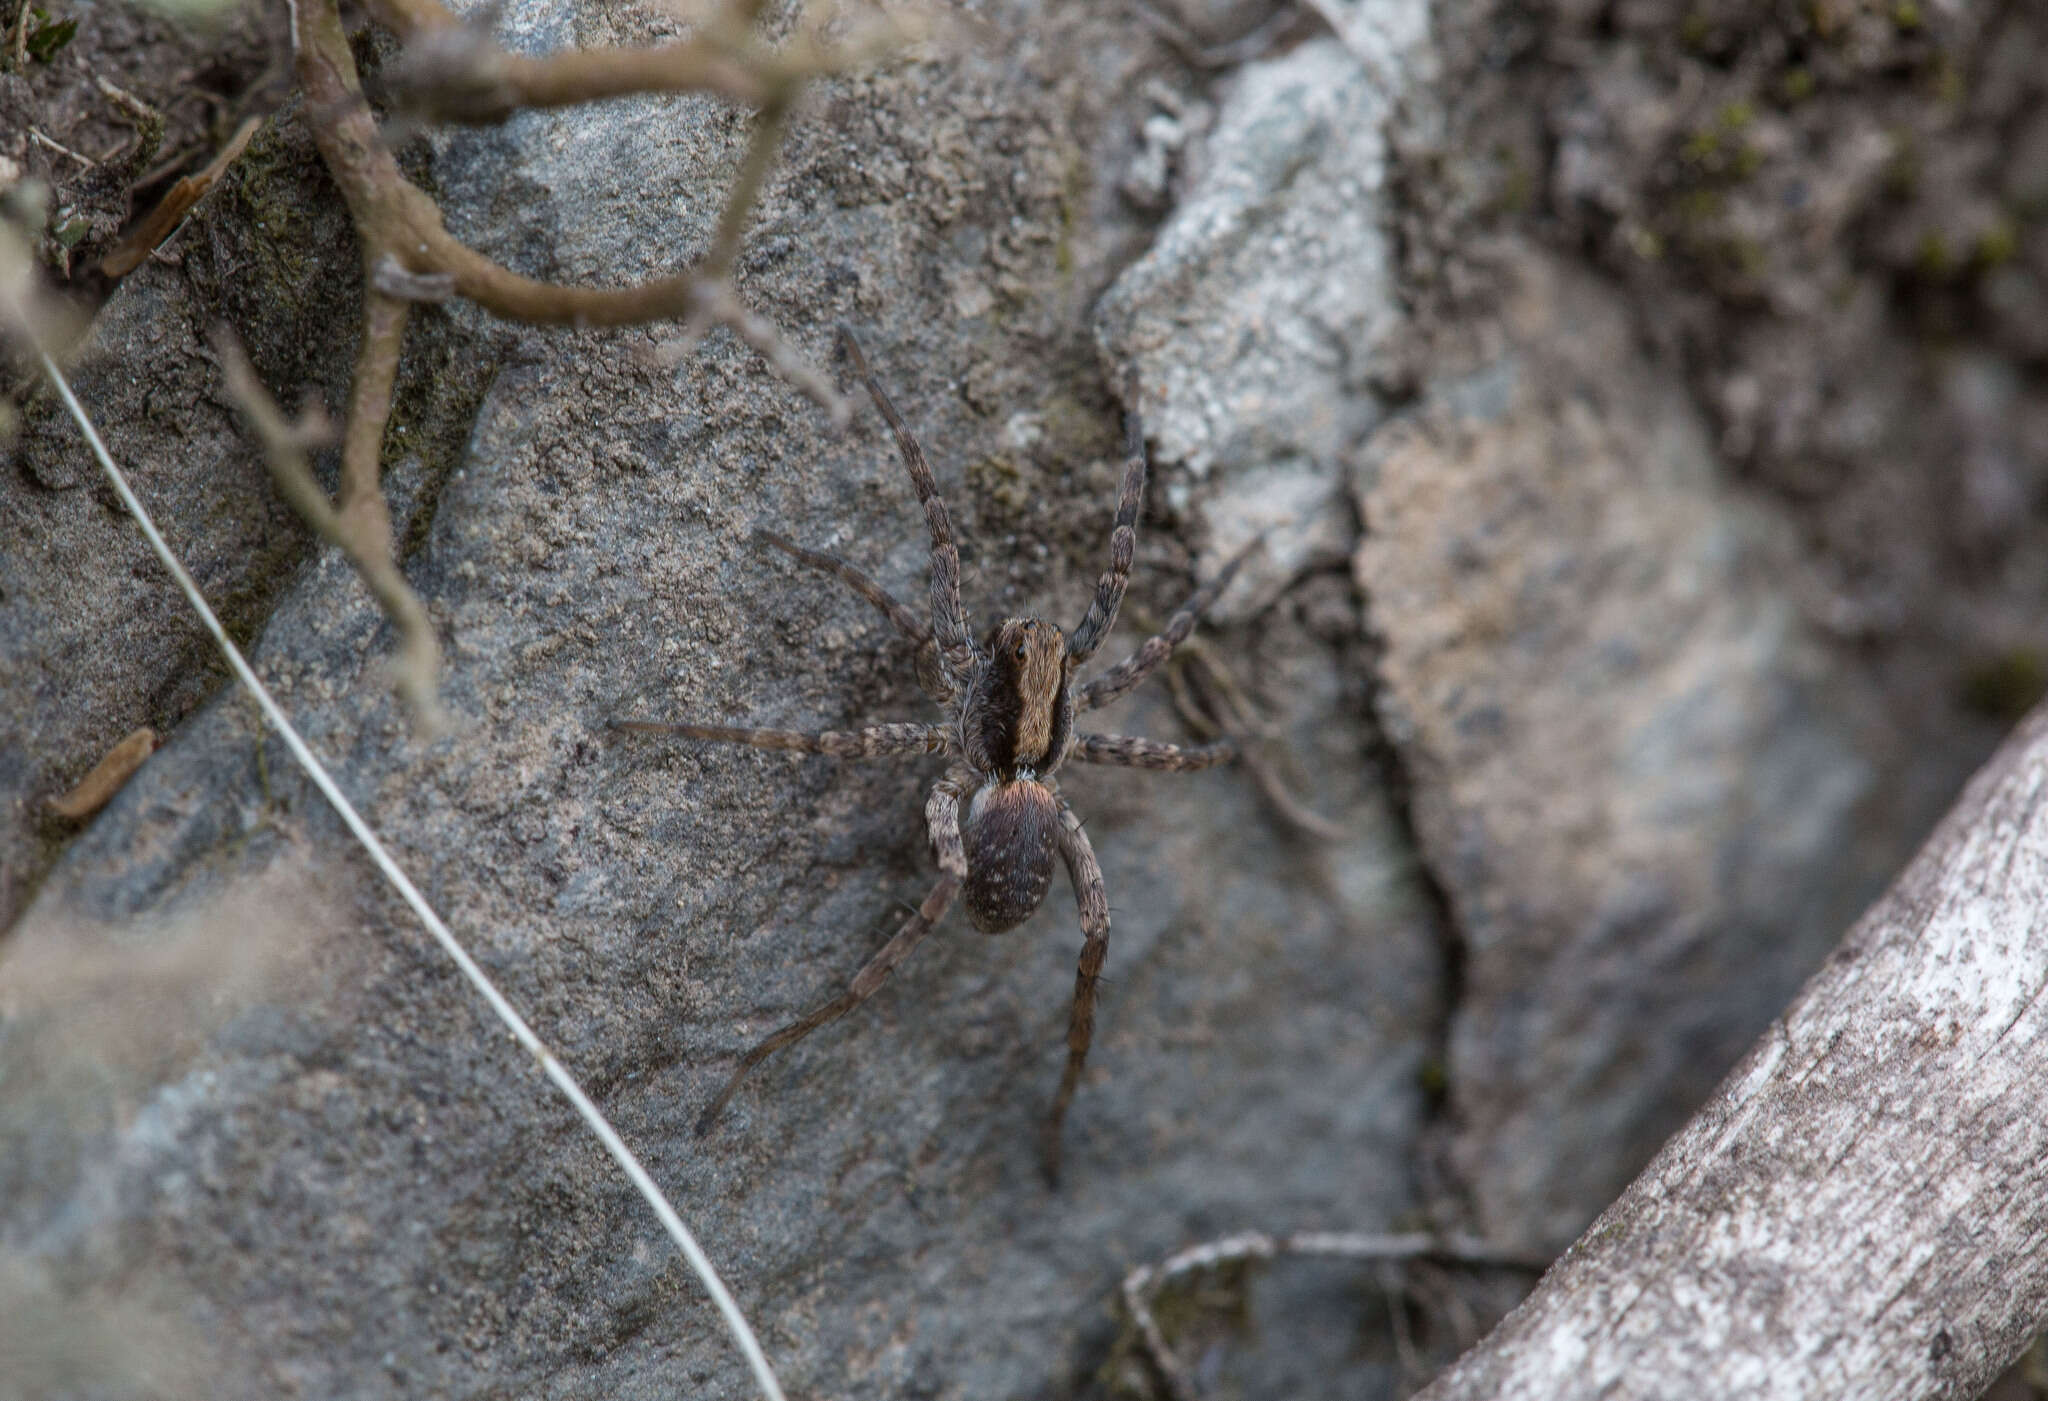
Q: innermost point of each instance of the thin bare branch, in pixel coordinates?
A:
(170, 211)
(453, 70)
(1143, 1284)
(726, 309)
(416, 670)
(1213, 704)
(18, 46)
(41, 140)
(410, 256)
(394, 279)
(746, 188)
(396, 218)
(462, 75)
(363, 512)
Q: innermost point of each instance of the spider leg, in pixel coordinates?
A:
(872, 742)
(885, 603)
(930, 674)
(1123, 542)
(1156, 649)
(942, 818)
(949, 620)
(1086, 877)
(1132, 752)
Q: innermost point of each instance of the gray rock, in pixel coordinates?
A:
(92, 646)
(1254, 317)
(87, 653)
(360, 1188)
(1642, 786)
(1642, 793)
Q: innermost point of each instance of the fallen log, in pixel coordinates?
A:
(1862, 1207)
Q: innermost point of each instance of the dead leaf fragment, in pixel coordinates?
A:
(97, 788)
(170, 211)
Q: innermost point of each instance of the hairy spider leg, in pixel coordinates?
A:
(871, 742)
(942, 818)
(1140, 664)
(949, 619)
(1133, 752)
(1123, 540)
(931, 674)
(1086, 877)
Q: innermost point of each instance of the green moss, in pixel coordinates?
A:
(2006, 685)
(1997, 244)
(1902, 171)
(1746, 256)
(1719, 149)
(1198, 1308)
(1932, 259)
(1947, 84)
(1796, 85)
(1073, 195)
(149, 139)
(1698, 207)
(280, 254)
(1906, 15)
(1515, 192)
(268, 183)
(1075, 431)
(46, 36)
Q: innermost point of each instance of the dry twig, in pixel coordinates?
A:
(284, 449)
(1213, 704)
(1143, 1284)
(170, 211)
(454, 71)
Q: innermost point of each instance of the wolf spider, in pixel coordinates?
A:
(1011, 700)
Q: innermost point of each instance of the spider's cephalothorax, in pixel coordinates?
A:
(1014, 728)
(1011, 702)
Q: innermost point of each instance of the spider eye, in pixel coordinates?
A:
(1019, 652)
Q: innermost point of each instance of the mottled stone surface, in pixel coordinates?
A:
(92, 644)
(365, 1191)
(1605, 792)
(88, 651)
(1640, 783)
(1254, 317)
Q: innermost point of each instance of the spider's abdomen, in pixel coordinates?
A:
(1011, 835)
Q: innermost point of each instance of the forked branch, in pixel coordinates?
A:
(455, 71)
(364, 535)
(1142, 1285)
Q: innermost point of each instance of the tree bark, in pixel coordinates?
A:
(1862, 1207)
